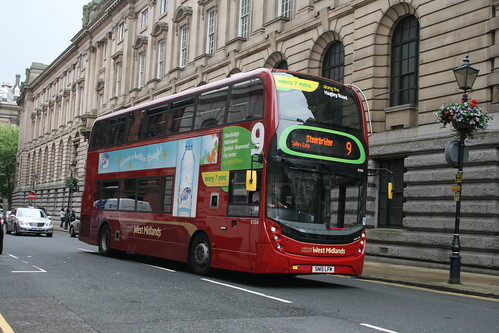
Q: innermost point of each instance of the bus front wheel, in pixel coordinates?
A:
(105, 241)
(200, 255)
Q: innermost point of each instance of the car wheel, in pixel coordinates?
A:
(72, 231)
(105, 241)
(49, 234)
(200, 255)
(16, 230)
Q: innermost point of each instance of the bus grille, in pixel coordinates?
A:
(85, 225)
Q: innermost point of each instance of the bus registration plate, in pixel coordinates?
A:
(322, 269)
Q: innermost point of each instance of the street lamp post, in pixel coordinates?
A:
(465, 77)
(72, 168)
(34, 176)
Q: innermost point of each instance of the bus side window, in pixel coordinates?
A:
(183, 114)
(211, 108)
(134, 121)
(168, 194)
(246, 101)
(154, 122)
(100, 134)
(108, 194)
(241, 201)
(148, 195)
(118, 131)
(128, 194)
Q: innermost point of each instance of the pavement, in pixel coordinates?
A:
(477, 284)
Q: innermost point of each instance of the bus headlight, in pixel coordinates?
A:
(276, 237)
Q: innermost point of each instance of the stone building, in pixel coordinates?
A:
(9, 110)
(400, 53)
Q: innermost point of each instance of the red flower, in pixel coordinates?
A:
(474, 102)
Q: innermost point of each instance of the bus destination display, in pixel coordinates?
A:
(307, 141)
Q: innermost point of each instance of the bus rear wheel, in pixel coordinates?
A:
(200, 255)
(105, 241)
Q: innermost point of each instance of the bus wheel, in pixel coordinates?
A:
(105, 241)
(200, 256)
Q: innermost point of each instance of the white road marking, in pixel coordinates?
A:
(86, 250)
(39, 270)
(248, 291)
(162, 268)
(377, 328)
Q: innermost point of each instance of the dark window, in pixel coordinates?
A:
(334, 62)
(154, 122)
(100, 134)
(118, 130)
(149, 195)
(106, 195)
(127, 199)
(246, 101)
(168, 194)
(182, 115)
(211, 108)
(241, 201)
(206, 110)
(405, 62)
(135, 120)
(391, 211)
(282, 64)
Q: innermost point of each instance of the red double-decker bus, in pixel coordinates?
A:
(262, 172)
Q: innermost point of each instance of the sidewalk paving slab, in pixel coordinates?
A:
(484, 285)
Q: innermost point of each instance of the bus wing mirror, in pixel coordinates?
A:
(390, 190)
(251, 180)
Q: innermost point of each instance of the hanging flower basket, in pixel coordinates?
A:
(465, 117)
(71, 183)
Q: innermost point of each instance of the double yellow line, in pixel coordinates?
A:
(4, 326)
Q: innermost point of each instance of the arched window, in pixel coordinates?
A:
(333, 66)
(281, 64)
(405, 62)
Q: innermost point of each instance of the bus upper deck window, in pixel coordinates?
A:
(211, 108)
(182, 114)
(246, 101)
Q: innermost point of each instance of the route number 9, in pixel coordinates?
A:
(257, 138)
(348, 146)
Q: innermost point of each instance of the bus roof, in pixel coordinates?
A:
(232, 78)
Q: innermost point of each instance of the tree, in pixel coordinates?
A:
(9, 135)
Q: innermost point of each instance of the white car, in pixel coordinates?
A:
(29, 220)
(74, 228)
